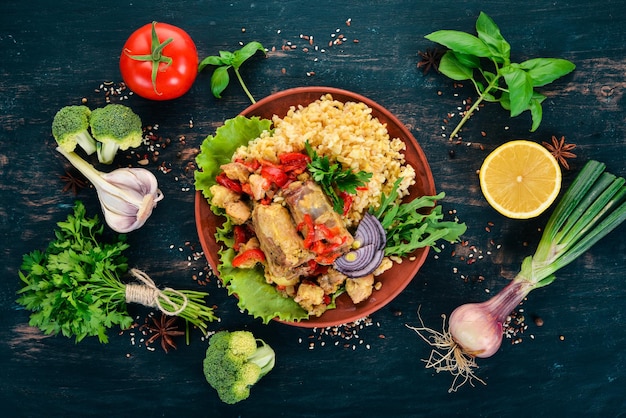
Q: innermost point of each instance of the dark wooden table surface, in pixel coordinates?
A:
(574, 365)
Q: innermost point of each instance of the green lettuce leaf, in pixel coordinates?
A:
(259, 298)
(217, 150)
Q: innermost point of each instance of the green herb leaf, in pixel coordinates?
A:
(212, 60)
(489, 33)
(408, 227)
(452, 67)
(545, 70)
(536, 111)
(485, 60)
(219, 81)
(333, 178)
(460, 42)
(61, 287)
(520, 87)
(225, 61)
(247, 51)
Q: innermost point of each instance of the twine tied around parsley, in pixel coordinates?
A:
(148, 294)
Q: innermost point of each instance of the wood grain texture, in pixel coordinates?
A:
(573, 365)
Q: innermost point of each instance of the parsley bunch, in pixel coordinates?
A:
(332, 178)
(73, 288)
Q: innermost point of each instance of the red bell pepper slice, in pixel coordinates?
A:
(308, 228)
(253, 165)
(274, 174)
(320, 239)
(230, 184)
(248, 258)
(293, 157)
(294, 163)
(241, 235)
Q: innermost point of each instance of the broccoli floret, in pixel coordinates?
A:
(70, 128)
(115, 127)
(234, 362)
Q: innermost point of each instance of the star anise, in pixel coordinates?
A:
(164, 328)
(430, 59)
(561, 150)
(73, 181)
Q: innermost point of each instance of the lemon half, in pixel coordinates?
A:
(520, 179)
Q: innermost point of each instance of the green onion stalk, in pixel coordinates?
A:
(592, 207)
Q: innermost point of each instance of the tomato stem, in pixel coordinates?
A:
(156, 55)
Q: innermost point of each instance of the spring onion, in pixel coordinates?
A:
(592, 207)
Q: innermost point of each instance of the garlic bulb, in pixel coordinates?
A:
(127, 195)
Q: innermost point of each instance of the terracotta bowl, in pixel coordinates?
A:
(394, 280)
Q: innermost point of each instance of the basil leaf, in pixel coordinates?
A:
(505, 100)
(460, 42)
(489, 33)
(227, 60)
(520, 87)
(246, 52)
(467, 60)
(536, 111)
(212, 60)
(451, 67)
(545, 70)
(227, 57)
(219, 81)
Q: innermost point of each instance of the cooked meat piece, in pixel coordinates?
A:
(309, 198)
(361, 288)
(236, 171)
(231, 202)
(311, 298)
(385, 265)
(286, 257)
(251, 244)
(331, 281)
(258, 185)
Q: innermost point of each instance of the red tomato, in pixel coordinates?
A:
(159, 61)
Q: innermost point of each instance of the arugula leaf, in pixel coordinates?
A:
(226, 60)
(332, 177)
(410, 226)
(485, 60)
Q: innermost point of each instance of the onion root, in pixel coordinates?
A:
(447, 355)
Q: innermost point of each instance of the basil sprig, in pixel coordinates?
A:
(485, 59)
(227, 60)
